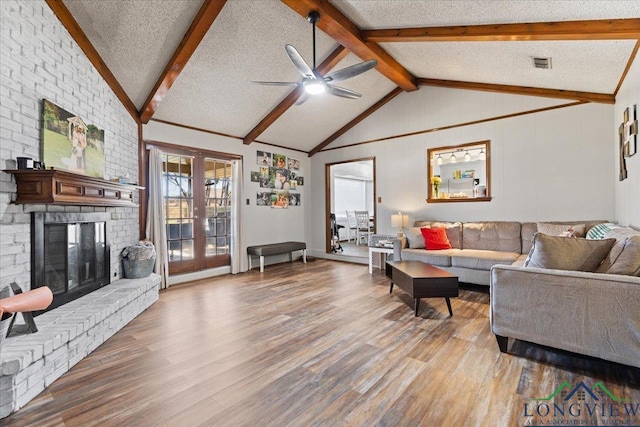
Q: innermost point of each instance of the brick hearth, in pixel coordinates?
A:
(30, 363)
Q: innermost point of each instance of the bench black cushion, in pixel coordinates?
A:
(276, 248)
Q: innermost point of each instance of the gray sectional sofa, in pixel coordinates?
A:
(476, 246)
(593, 313)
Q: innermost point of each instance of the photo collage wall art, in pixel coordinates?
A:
(279, 178)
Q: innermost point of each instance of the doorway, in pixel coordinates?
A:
(350, 186)
(197, 197)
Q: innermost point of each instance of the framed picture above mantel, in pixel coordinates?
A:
(69, 143)
(459, 173)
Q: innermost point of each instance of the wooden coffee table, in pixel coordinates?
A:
(421, 280)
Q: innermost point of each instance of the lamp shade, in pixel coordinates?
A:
(399, 220)
(396, 220)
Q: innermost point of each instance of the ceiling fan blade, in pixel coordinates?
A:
(275, 83)
(303, 98)
(302, 67)
(342, 92)
(352, 71)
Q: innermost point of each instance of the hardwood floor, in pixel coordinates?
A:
(351, 249)
(318, 344)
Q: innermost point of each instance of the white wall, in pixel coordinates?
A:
(627, 192)
(39, 59)
(261, 223)
(551, 165)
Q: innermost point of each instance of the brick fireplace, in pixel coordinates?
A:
(46, 63)
(67, 334)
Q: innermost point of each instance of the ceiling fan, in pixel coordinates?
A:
(315, 83)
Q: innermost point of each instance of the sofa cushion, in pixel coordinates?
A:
(621, 233)
(567, 253)
(528, 230)
(492, 236)
(435, 238)
(479, 259)
(624, 257)
(454, 230)
(567, 230)
(440, 258)
(520, 261)
(414, 237)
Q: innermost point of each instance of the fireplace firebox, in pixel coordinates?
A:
(69, 253)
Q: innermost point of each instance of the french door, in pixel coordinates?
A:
(197, 197)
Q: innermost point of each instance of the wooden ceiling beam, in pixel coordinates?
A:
(335, 24)
(606, 29)
(68, 21)
(332, 60)
(201, 23)
(388, 97)
(603, 98)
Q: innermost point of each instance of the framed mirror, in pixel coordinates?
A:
(459, 173)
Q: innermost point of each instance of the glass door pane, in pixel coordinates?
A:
(217, 199)
(179, 206)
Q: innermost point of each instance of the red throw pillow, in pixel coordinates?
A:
(435, 238)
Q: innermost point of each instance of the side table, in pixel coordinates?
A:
(382, 253)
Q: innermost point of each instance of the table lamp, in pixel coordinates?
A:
(398, 221)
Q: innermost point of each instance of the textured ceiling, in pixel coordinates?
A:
(246, 42)
(137, 38)
(133, 37)
(379, 14)
(511, 64)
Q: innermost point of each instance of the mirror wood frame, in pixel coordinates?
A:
(327, 200)
(432, 152)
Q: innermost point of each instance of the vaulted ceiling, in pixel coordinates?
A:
(190, 62)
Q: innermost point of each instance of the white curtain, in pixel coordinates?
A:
(238, 246)
(156, 230)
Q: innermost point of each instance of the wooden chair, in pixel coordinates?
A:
(363, 227)
(352, 226)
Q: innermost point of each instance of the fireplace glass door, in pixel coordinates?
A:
(70, 254)
(77, 249)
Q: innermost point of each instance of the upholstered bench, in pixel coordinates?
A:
(276, 249)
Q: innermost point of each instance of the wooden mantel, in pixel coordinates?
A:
(61, 187)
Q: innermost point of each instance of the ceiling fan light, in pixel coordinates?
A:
(314, 87)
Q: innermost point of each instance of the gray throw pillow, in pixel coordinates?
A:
(624, 258)
(414, 237)
(567, 253)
